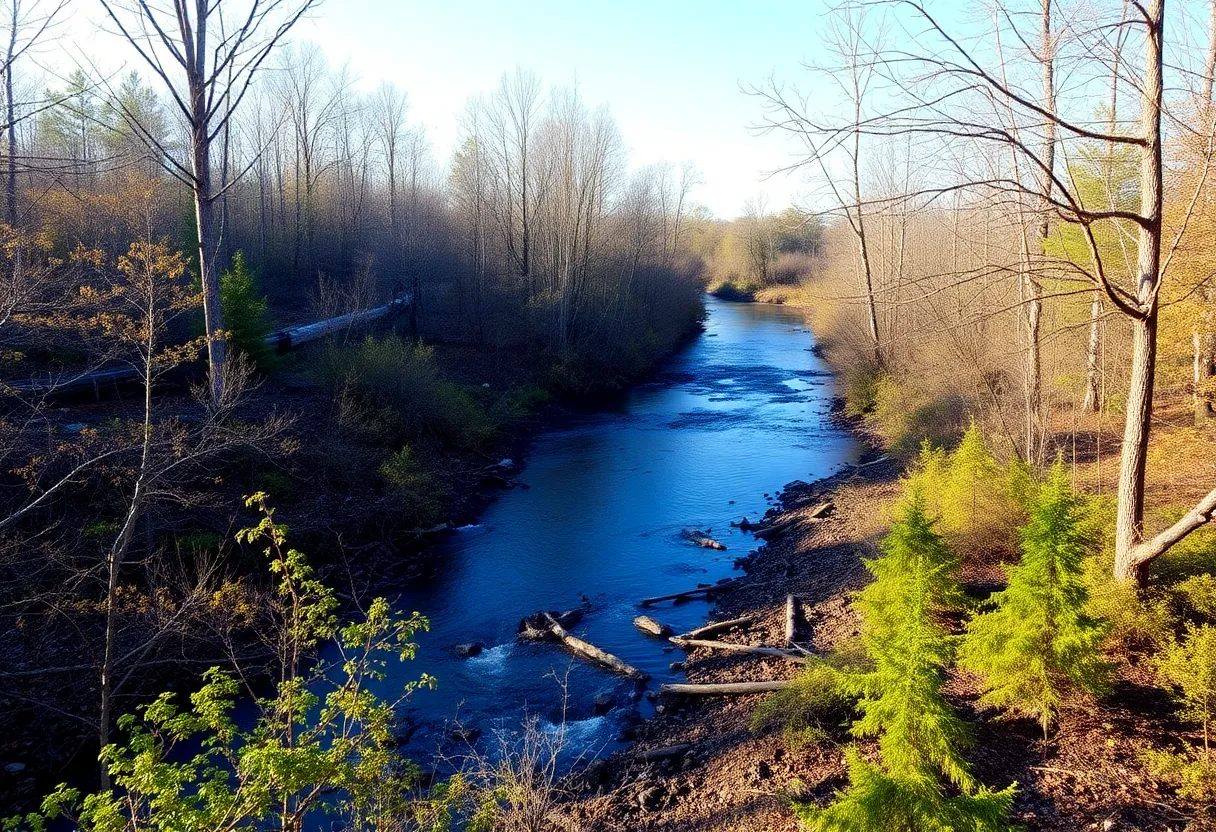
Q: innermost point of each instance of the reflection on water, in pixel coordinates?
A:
(741, 412)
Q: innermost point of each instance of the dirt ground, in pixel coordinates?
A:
(732, 779)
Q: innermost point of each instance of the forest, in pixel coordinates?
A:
(302, 407)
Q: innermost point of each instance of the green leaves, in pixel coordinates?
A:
(322, 741)
(1036, 643)
(920, 738)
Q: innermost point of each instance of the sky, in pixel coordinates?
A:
(671, 71)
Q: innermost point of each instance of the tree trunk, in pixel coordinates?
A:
(1131, 559)
(208, 253)
(1093, 370)
(10, 184)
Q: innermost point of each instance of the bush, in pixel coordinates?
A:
(1188, 668)
(905, 419)
(392, 389)
(805, 708)
(245, 314)
(1037, 642)
(420, 493)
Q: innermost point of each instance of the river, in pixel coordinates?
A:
(737, 414)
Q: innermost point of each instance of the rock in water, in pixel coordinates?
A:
(651, 627)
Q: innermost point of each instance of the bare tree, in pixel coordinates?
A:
(219, 46)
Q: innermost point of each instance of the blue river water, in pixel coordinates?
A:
(737, 414)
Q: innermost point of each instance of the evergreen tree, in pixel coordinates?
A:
(920, 738)
(1036, 643)
(979, 504)
(245, 313)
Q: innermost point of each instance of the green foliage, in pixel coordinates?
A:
(978, 503)
(1036, 643)
(1197, 596)
(861, 388)
(905, 417)
(420, 493)
(245, 313)
(391, 388)
(1194, 776)
(1188, 668)
(321, 742)
(920, 738)
(805, 708)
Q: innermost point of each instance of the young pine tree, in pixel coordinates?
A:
(920, 738)
(1189, 668)
(979, 507)
(1036, 644)
(245, 313)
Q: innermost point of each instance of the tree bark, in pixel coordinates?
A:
(1131, 558)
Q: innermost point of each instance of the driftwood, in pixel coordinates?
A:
(723, 689)
(701, 539)
(666, 752)
(774, 652)
(701, 591)
(718, 626)
(536, 627)
(791, 620)
(592, 653)
(882, 458)
(770, 532)
(651, 627)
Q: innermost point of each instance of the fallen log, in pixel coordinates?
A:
(791, 619)
(770, 532)
(882, 458)
(687, 594)
(651, 627)
(723, 689)
(701, 539)
(774, 652)
(666, 752)
(718, 627)
(592, 653)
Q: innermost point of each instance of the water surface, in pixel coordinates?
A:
(737, 414)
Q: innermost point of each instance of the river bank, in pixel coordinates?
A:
(702, 764)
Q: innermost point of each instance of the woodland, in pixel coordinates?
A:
(1004, 255)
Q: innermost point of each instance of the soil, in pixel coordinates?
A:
(1088, 776)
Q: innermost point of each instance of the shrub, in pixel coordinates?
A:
(321, 740)
(245, 314)
(805, 708)
(392, 389)
(920, 738)
(1188, 667)
(1036, 642)
(420, 493)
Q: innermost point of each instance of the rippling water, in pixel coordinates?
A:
(740, 412)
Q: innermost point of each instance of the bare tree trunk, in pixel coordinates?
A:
(1034, 288)
(10, 184)
(208, 252)
(1092, 402)
(1131, 561)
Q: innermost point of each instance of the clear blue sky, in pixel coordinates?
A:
(670, 71)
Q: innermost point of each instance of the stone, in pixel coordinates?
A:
(651, 798)
(603, 703)
(467, 651)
